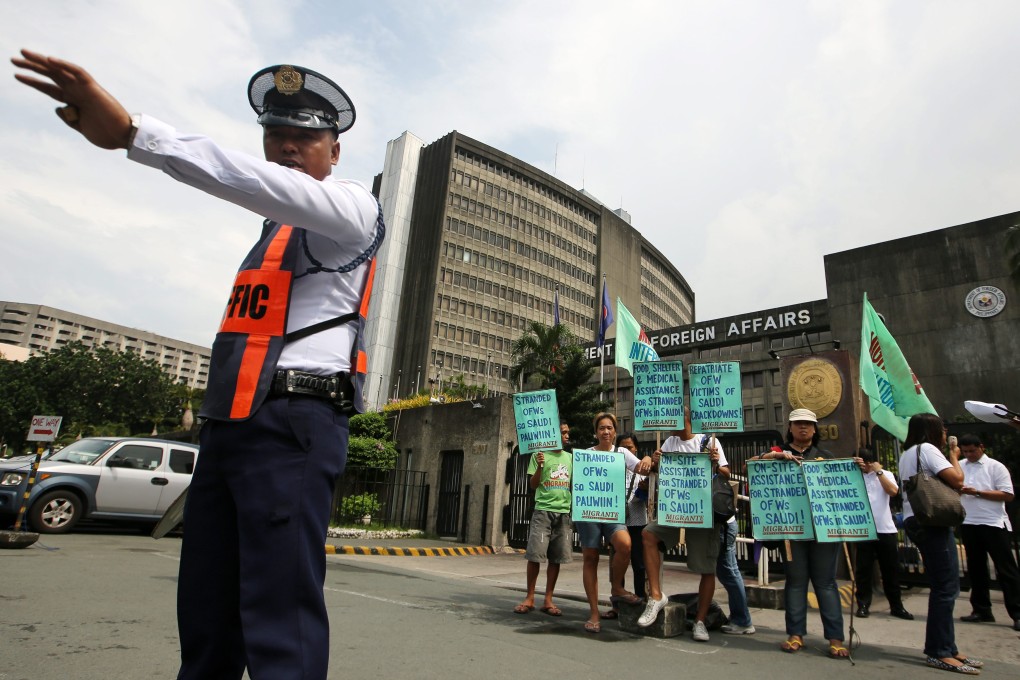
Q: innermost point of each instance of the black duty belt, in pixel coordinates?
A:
(336, 389)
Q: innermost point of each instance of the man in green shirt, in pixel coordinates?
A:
(550, 534)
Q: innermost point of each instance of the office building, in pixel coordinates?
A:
(478, 245)
(42, 329)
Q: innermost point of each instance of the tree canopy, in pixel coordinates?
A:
(97, 391)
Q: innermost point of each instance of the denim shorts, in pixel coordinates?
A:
(591, 533)
(550, 536)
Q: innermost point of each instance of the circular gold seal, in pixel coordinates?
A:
(815, 384)
(288, 80)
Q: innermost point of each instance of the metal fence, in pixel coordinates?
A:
(390, 498)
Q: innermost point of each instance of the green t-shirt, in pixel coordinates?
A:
(553, 492)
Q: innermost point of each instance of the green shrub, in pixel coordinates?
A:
(359, 505)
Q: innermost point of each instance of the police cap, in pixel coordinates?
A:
(299, 97)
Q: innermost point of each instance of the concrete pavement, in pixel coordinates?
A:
(990, 642)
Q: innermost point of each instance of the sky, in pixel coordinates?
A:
(746, 139)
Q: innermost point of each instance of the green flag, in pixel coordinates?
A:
(631, 342)
(892, 388)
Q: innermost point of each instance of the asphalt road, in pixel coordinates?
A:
(100, 605)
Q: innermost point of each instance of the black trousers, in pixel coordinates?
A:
(886, 550)
(637, 559)
(981, 542)
(252, 562)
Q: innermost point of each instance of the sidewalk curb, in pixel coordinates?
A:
(408, 552)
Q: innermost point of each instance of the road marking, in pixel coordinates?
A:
(387, 600)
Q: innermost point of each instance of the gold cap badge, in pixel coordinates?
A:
(288, 80)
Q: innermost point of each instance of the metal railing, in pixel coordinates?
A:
(390, 498)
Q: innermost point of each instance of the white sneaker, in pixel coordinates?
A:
(700, 633)
(734, 629)
(652, 610)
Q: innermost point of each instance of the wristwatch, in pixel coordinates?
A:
(879, 472)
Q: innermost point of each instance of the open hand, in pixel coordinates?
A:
(90, 109)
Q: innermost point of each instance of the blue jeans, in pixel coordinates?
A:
(817, 562)
(942, 567)
(728, 573)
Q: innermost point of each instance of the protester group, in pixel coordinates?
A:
(814, 554)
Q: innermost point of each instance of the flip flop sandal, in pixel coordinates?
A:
(792, 646)
(524, 609)
(628, 598)
(593, 626)
(611, 614)
(838, 652)
(551, 611)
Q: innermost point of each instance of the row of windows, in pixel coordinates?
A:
(453, 333)
(522, 203)
(492, 315)
(526, 182)
(665, 292)
(447, 361)
(496, 239)
(462, 280)
(650, 317)
(468, 256)
(478, 209)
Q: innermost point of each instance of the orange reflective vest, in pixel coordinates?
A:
(253, 333)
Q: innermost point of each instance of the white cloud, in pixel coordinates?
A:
(747, 139)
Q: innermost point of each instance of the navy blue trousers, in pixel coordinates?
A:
(253, 559)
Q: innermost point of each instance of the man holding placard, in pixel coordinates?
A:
(702, 542)
(551, 533)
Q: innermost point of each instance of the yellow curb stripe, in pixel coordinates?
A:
(408, 552)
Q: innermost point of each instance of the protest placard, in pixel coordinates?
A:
(780, 508)
(716, 403)
(599, 486)
(685, 490)
(538, 421)
(840, 509)
(658, 395)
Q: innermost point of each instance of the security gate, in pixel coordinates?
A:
(450, 469)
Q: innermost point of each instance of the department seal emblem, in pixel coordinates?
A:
(985, 301)
(816, 385)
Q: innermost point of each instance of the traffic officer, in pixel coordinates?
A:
(286, 370)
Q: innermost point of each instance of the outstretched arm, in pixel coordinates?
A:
(89, 109)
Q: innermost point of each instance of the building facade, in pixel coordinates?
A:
(42, 329)
(481, 244)
(948, 299)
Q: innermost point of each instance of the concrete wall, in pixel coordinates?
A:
(919, 284)
(487, 437)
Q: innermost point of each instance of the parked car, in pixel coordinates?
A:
(110, 478)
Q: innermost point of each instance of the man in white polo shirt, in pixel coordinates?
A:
(986, 531)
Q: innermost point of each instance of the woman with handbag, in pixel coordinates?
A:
(926, 435)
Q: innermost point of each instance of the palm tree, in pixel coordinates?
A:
(538, 354)
(551, 357)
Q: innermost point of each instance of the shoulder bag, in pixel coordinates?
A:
(934, 502)
(724, 501)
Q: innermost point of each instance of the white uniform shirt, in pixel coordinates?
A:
(932, 460)
(987, 474)
(880, 502)
(339, 216)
